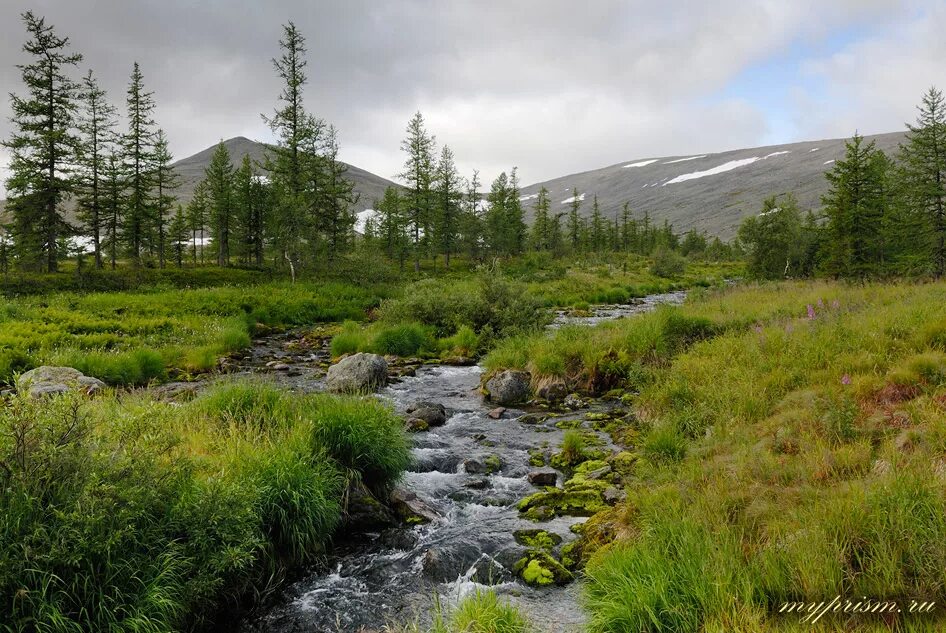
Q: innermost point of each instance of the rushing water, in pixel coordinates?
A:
(399, 574)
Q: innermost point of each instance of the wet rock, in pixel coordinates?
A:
(359, 373)
(412, 508)
(573, 401)
(48, 380)
(539, 513)
(509, 387)
(416, 425)
(612, 495)
(433, 413)
(175, 391)
(496, 413)
(281, 367)
(477, 484)
(578, 503)
(365, 512)
(554, 391)
(592, 470)
(399, 538)
(537, 538)
(543, 477)
(487, 466)
(532, 418)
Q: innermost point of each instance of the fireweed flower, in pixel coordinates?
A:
(811, 311)
(821, 303)
(845, 379)
(835, 304)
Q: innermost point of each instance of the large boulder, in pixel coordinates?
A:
(358, 373)
(433, 413)
(509, 387)
(48, 380)
(411, 508)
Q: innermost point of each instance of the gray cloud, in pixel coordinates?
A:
(542, 84)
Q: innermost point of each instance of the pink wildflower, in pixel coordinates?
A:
(845, 379)
(811, 311)
(821, 303)
(835, 304)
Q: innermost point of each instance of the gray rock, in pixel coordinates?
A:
(175, 391)
(543, 477)
(48, 380)
(365, 512)
(496, 413)
(612, 495)
(416, 425)
(281, 367)
(433, 413)
(412, 508)
(553, 392)
(573, 401)
(509, 387)
(359, 373)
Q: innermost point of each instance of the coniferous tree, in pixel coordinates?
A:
(924, 166)
(139, 158)
(628, 228)
(288, 162)
(597, 232)
(97, 127)
(495, 219)
(336, 220)
(165, 181)
(574, 227)
(418, 175)
(515, 219)
(42, 146)
(541, 223)
(855, 205)
(219, 179)
(472, 224)
(773, 239)
(449, 196)
(113, 205)
(392, 226)
(178, 236)
(198, 210)
(249, 213)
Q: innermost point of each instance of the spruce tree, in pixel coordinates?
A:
(924, 161)
(472, 225)
(197, 213)
(243, 211)
(392, 225)
(219, 179)
(43, 147)
(139, 158)
(178, 236)
(598, 232)
(515, 218)
(495, 218)
(166, 180)
(448, 196)
(97, 127)
(418, 176)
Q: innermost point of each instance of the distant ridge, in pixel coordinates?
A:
(708, 192)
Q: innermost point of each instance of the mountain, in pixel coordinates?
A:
(191, 171)
(708, 192)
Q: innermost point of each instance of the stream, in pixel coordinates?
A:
(400, 574)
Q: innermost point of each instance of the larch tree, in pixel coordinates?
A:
(449, 195)
(515, 218)
(97, 127)
(923, 157)
(494, 220)
(598, 234)
(178, 236)
(392, 225)
(113, 205)
(541, 223)
(472, 224)
(335, 220)
(43, 146)
(287, 163)
(196, 213)
(139, 158)
(574, 225)
(219, 179)
(166, 181)
(418, 176)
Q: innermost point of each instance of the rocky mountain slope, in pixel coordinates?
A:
(709, 192)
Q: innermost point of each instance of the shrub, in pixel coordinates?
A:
(667, 263)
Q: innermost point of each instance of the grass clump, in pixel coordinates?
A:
(129, 514)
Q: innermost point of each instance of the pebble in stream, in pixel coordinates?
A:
(376, 579)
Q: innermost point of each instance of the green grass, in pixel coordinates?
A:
(120, 513)
(133, 337)
(782, 457)
(480, 612)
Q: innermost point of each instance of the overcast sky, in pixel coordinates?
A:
(553, 86)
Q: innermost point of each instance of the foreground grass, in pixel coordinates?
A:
(123, 514)
(791, 444)
(132, 337)
(479, 612)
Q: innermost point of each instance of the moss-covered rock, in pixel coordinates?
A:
(492, 463)
(568, 424)
(536, 538)
(623, 463)
(579, 502)
(537, 457)
(593, 534)
(539, 568)
(538, 513)
(597, 416)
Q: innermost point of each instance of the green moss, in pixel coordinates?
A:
(537, 457)
(537, 538)
(539, 568)
(568, 424)
(493, 464)
(580, 502)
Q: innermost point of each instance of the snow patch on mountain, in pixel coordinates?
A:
(815, 149)
(683, 160)
(524, 198)
(719, 169)
(361, 219)
(581, 198)
(828, 162)
(788, 151)
(643, 163)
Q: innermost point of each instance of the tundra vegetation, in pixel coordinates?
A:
(784, 435)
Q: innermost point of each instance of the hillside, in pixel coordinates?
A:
(191, 171)
(709, 192)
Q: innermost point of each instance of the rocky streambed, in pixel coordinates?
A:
(492, 498)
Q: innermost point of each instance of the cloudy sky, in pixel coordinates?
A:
(553, 86)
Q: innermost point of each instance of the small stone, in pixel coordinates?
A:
(531, 418)
(496, 413)
(612, 495)
(543, 477)
(573, 401)
(473, 466)
(416, 425)
(477, 484)
(554, 391)
(281, 367)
